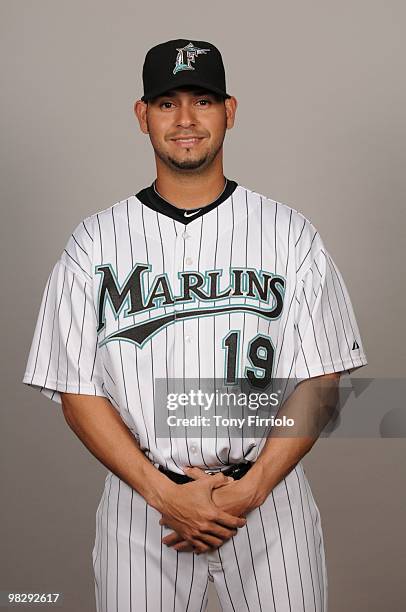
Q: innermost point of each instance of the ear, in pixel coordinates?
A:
(140, 111)
(231, 109)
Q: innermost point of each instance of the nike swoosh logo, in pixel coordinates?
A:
(191, 213)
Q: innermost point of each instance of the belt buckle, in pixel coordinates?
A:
(237, 469)
(231, 470)
(228, 471)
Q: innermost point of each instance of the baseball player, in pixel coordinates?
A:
(195, 277)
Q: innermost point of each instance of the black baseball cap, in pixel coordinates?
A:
(183, 62)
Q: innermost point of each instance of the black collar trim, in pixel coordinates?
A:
(152, 199)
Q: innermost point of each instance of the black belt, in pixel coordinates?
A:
(237, 471)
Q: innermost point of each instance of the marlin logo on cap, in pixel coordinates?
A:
(191, 53)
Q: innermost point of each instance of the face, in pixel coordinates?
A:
(186, 126)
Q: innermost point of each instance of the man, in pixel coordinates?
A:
(196, 278)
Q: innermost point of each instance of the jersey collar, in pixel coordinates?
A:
(151, 198)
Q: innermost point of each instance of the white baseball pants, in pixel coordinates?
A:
(275, 563)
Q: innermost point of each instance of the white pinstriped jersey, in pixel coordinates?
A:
(138, 295)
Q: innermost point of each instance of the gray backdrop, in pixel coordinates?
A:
(320, 126)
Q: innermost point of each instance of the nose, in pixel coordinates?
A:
(185, 116)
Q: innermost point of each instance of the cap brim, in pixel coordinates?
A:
(171, 86)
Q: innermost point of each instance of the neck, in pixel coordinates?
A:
(190, 191)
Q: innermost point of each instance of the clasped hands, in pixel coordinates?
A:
(206, 512)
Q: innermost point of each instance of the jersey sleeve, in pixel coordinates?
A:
(64, 355)
(327, 335)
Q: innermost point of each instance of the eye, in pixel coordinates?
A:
(168, 102)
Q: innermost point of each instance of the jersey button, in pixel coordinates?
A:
(185, 235)
(193, 449)
(189, 261)
(188, 339)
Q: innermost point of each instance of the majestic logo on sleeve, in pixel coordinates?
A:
(195, 287)
(190, 52)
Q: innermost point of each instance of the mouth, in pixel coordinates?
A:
(187, 142)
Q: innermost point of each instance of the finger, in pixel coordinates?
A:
(230, 521)
(220, 532)
(172, 538)
(210, 540)
(198, 546)
(216, 531)
(184, 547)
(195, 473)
